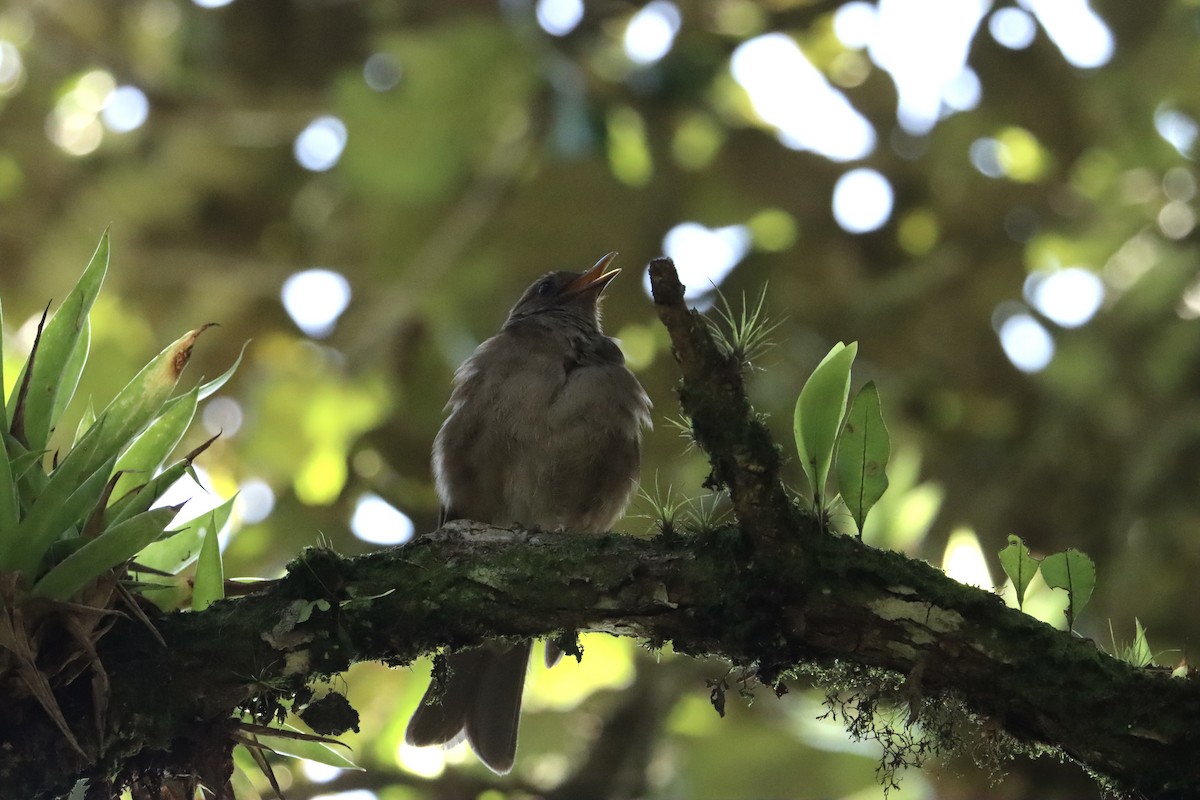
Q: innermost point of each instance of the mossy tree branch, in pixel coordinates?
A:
(771, 594)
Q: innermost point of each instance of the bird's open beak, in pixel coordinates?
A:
(595, 279)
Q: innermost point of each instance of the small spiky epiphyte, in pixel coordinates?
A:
(745, 334)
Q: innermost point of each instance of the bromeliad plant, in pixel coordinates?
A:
(72, 522)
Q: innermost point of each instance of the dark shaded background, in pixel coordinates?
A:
(490, 151)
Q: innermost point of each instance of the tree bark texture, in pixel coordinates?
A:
(772, 593)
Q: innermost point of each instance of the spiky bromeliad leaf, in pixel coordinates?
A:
(86, 421)
(59, 357)
(65, 500)
(818, 416)
(142, 399)
(140, 498)
(207, 389)
(152, 446)
(179, 548)
(1074, 572)
(10, 512)
(71, 372)
(862, 455)
(113, 547)
(209, 584)
(290, 741)
(1019, 566)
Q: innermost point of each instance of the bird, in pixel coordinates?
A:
(543, 431)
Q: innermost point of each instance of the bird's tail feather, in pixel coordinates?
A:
(481, 696)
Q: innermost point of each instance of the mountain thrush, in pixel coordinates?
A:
(544, 431)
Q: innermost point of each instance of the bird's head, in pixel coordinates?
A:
(574, 294)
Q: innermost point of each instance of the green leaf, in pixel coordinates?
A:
(181, 547)
(71, 372)
(10, 510)
(86, 421)
(51, 384)
(1139, 653)
(148, 451)
(209, 584)
(22, 460)
(114, 546)
(26, 471)
(205, 390)
(65, 502)
(140, 498)
(1074, 572)
(862, 455)
(818, 416)
(306, 749)
(142, 399)
(1019, 566)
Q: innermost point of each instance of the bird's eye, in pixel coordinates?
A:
(545, 288)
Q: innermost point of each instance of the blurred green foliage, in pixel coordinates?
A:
(480, 151)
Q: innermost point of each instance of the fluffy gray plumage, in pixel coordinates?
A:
(544, 431)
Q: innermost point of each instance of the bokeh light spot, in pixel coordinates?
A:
(1081, 36)
(1176, 219)
(1020, 155)
(318, 772)
(854, 24)
(315, 298)
(963, 92)
(126, 109)
(985, 157)
(559, 17)
(212, 3)
(791, 95)
(703, 256)
(772, 230)
(160, 18)
(1179, 184)
(12, 70)
(1068, 297)
(319, 146)
(425, 762)
(651, 31)
(377, 521)
(381, 72)
(222, 415)
(697, 140)
(918, 232)
(628, 153)
(862, 200)
(1026, 342)
(1177, 128)
(92, 90)
(924, 72)
(964, 560)
(257, 500)
(638, 345)
(77, 134)
(320, 478)
(1013, 28)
